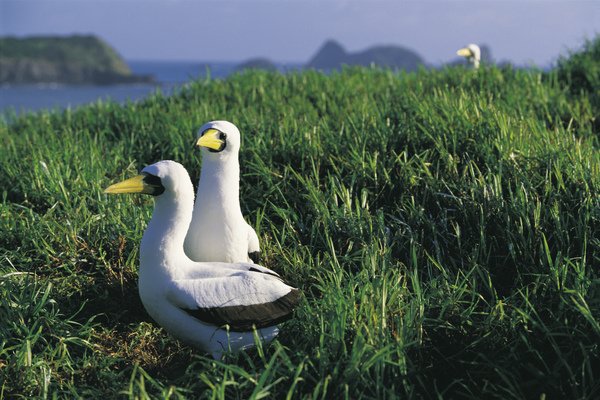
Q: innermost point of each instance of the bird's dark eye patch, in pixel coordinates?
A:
(154, 184)
(223, 139)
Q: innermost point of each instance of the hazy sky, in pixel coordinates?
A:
(523, 31)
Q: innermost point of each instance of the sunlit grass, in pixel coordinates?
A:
(443, 225)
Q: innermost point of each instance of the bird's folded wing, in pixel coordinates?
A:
(221, 269)
(262, 270)
(242, 302)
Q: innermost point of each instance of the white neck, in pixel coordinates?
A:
(162, 244)
(219, 185)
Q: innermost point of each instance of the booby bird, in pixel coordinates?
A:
(214, 306)
(472, 53)
(218, 231)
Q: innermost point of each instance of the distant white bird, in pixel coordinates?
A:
(211, 305)
(472, 53)
(218, 231)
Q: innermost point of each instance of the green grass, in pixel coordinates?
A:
(444, 227)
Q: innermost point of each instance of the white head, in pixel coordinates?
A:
(219, 140)
(472, 53)
(163, 177)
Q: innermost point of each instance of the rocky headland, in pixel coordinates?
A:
(73, 60)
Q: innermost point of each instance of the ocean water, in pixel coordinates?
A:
(168, 75)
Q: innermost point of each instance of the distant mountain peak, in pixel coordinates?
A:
(332, 46)
(332, 55)
(328, 56)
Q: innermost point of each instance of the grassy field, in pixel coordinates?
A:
(444, 227)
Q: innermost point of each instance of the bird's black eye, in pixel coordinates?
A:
(154, 184)
(223, 136)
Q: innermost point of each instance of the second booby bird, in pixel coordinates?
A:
(214, 306)
(218, 231)
(472, 53)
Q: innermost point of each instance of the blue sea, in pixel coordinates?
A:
(168, 75)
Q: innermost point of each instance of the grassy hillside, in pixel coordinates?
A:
(443, 225)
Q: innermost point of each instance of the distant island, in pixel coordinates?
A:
(332, 56)
(257, 63)
(74, 60)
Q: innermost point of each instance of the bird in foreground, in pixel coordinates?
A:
(211, 305)
(218, 231)
(472, 53)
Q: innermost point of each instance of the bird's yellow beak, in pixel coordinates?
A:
(465, 52)
(131, 185)
(210, 139)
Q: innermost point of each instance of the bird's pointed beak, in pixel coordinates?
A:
(210, 139)
(465, 52)
(131, 185)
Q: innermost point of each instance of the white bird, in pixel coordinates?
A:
(472, 53)
(211, 305)
(218, 231)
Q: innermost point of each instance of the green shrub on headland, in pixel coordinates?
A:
(443, 225)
